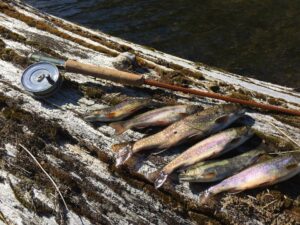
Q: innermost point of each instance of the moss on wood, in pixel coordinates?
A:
(240, 96)
(22, 195)
(281, 144)
(4, 8)
(2, 44)
(10, 55)
(8, 34)
(288, 119)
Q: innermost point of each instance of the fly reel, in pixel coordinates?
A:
(42, 79)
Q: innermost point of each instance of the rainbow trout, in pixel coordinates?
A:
(212, 171)
(195, 126)
(263, 174)
(117, 112)
(208, 148)
(158, 117)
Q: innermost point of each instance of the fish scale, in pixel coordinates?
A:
(193, 127)
(118, 112)
(266, 173)
(158, 117)
(208, 148)
(211, 171)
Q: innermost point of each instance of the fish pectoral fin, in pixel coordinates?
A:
(222, 119)
(111, 115)
(194, 126)
(235, 140)
(183, 114)
(234, 192)
(157, 153)
(192, 136)
(291, 166)
(120, 127)
(265, 184)
(210, 175)
(161, 122)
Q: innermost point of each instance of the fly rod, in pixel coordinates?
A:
(43, 79)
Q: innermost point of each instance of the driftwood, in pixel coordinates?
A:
(78, 155)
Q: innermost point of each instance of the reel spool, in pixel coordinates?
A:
(41, 79)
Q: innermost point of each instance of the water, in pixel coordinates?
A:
(257, 38)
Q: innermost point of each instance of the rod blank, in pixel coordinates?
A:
(221, 97)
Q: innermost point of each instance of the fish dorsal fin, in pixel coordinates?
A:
(291, 166)
(222, 119)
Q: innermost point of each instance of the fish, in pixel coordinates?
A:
(263, 174)
(193, 127)
(158, 117)
(119, 111)
(212, 171)
(210, 147)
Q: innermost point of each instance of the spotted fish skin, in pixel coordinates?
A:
(198, 125)
(263, 174)
(158, 117)
(211, 171)
(118, 112)
(208, 148)
(193, 127)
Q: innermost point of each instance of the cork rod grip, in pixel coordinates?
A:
(104, 73)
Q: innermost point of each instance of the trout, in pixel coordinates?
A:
(212, 171)
(117, 112)
(158, 117)
(263, 174)
(208, 148)
(195, 126)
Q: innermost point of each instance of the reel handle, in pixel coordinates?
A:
(104, 73)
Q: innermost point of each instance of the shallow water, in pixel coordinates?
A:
(258, 38)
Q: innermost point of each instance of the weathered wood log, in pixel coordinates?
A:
(78, 155)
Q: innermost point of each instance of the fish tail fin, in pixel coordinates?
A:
(124, 154)
(205, 197)
(120, 127)
(160, 180)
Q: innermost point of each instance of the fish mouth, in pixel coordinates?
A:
(235, 109)
(90, 118)
(241, 112)
(160, 180)
(195, 179)
(185, 178)
(123, 155)
(96, 118)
